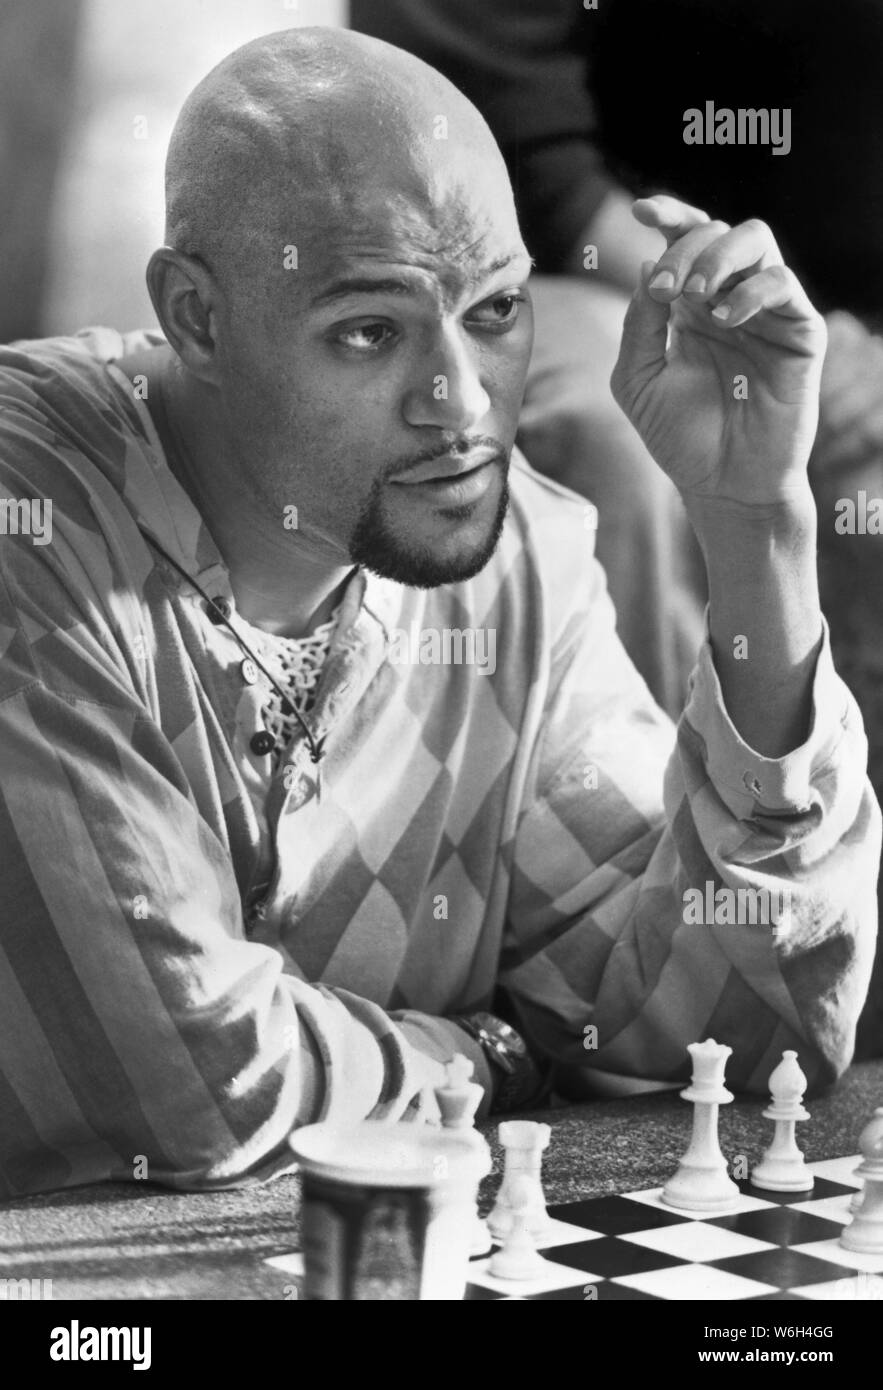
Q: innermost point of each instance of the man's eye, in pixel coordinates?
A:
(498, 312)
(365, 337)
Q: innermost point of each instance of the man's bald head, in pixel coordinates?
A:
(402, 337)
(294, 134)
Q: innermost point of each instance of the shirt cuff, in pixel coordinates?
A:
(750, 784)
(439, 1039)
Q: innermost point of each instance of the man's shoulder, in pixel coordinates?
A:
(554, 530)
(539, 502)
(42, 369)
(64, 420)
(543, 577)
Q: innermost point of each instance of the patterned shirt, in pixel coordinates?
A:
(183, 981)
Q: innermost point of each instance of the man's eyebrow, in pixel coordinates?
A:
(367, 284)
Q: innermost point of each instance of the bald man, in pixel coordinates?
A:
(321, 758)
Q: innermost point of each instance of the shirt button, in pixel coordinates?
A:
(262, 743)
(249, 671)
(218, 609)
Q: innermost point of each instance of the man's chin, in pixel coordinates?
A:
(427, 571)
(390, 556)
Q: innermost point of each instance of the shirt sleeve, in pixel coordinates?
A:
(525, 65)
(666, 894)
(141, 1033)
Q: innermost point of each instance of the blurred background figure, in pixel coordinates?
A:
(587, 101)
(37, 49)
(89, 92)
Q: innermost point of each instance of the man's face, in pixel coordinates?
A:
(377, 385)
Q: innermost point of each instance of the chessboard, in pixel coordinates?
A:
(771, 1246)
(633, 1246)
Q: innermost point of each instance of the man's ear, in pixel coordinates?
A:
(185, 297)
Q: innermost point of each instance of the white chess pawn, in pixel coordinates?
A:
(865, 1231)
(782, 1168)
(458, 1101)
(518, 1257)
(702, 1182)
(524, 1142)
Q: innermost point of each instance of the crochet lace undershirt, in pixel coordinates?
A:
(296, 664)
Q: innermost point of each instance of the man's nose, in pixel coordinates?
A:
(445, 388)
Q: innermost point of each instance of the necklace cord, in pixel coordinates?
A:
(317, 746)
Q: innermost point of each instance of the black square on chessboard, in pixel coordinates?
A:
(611, 1257)
(614, 1216)
(781, 1225)
(822, 1187)
(605, 1292)
(789, 1269)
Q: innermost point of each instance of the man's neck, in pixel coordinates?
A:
(281, 581)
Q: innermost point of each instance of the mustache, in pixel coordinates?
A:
(456, 448)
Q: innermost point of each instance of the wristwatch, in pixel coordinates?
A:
(519, 1080)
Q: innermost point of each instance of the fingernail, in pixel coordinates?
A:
(663, 281)
(722, 311)
(696, 284)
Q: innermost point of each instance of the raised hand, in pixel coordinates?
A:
(721, 360)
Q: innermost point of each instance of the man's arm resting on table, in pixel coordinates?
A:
(159, 1030)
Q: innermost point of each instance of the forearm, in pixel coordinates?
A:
(764, 616)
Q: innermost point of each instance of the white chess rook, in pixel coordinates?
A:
(524, 1142)
(782, 1168)
(702, 1182)
(518, 1258)
(865, 1231)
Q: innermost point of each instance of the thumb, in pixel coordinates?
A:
(644, 339)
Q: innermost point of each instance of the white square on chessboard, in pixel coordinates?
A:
(694, 1282)
(291, 1264)
(852, 1288)
(697, 1242)
(564, 1233)
(554, 1276)
(839, 1170)
(653, 1198)
(832, 1250)
(831, 1208)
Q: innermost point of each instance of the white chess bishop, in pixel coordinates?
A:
(864, 1233)
(782, 1168)
(702, 1182)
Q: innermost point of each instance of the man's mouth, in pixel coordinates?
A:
(449, 468)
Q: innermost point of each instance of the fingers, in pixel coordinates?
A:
(701, 263)
(776, 288)
(677, 264)
(735, 271)
(643, 345)
(669, 216)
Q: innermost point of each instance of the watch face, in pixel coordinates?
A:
(502, 1035)
(502, 1043)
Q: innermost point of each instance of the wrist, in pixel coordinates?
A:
(519, 1079)
(790, 521)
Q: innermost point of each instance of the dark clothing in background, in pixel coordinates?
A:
(575, 96)
(524, 65)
